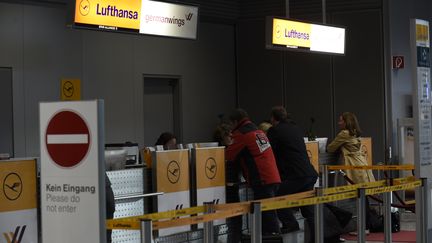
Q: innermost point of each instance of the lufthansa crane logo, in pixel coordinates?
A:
(12, 186)
(173, 172)
(278, 31)
(84, 7)
(210, 168)
(68, 89)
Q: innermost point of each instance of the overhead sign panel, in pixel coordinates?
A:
(138, 16)
(167, 19)
(284, 34)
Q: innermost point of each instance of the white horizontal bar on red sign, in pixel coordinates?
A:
(67, 139)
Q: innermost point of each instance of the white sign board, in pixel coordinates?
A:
(72, 172)
(327, 39)
(167, 19)
(21, 225)
(173, 201)
(216, 195)
(422, 99)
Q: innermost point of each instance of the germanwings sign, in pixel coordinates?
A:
(166, 19)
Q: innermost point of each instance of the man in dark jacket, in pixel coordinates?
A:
(296, 171)
(251, 148)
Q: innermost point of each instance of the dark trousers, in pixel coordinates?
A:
(291, 186)
(270, 223)
(234, 223)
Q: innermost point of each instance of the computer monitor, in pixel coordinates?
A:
(208, 145)
(115, 159)
(132, 151)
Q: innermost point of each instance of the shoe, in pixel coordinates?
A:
(291, 228)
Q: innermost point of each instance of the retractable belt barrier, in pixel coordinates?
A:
(236, 209)
(370, 167)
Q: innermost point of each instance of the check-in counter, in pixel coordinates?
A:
(366, 148)
(170, 172)
(312, 149)
(125, 184)
(333, 158)
(18, 200)
(208, 177)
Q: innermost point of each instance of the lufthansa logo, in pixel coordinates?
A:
(84, 7)
(68, 89)
(173, 172)
(210, 168)
(278, 31)
(12, 186)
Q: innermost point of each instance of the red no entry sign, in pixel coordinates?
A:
(67, 138)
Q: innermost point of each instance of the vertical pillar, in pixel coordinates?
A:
(146, 231)
(361, 215)
(208, 234)
(256, 234)
(319, 222)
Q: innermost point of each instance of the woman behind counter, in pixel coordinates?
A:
(349, 144)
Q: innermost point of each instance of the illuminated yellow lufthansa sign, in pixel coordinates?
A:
(109, 14)
(291, 33)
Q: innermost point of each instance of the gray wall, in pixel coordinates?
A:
(317, 85)
(400, 13)
(41, 51)
(6, 111)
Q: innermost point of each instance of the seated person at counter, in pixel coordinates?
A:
(251, 149)
(295, 169)
(167, 140)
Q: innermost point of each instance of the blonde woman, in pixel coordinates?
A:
(348, 143)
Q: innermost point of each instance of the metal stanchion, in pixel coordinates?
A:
(361, 215)
(146, 231)
(421, 199)
(319, 218)
(387, 214)
(324, 176)
(256, 234)
(208, 234)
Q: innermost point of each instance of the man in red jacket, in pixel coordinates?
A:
(251, 148)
